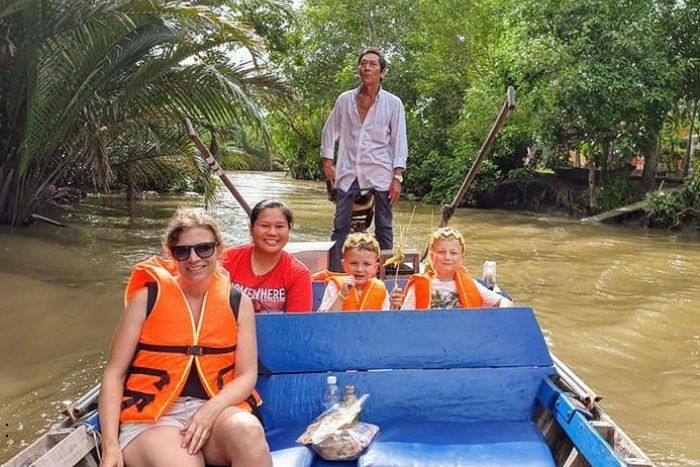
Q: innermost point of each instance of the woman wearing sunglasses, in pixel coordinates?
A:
(169, 393)
(275, 280)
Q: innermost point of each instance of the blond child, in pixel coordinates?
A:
(448, 284)
(358, 289)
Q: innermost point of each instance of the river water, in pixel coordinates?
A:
(621, 307)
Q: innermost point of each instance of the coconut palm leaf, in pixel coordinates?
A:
(87, 76)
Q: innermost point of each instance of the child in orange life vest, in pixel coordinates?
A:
(358, 289)
(448, 284)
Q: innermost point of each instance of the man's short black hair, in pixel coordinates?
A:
(371, 50)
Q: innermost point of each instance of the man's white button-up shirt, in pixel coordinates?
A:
(369, 150)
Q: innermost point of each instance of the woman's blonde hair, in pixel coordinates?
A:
(362, 241)
(187, 218)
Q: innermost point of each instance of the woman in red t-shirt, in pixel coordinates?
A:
(275, 280)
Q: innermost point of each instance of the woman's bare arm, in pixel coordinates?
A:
(124, 342)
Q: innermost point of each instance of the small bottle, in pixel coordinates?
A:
(489, 274)
(331, 394)
(349, 397)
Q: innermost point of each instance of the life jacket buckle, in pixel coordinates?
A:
(195, 350)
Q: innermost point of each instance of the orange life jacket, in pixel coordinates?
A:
(467, 292)
(171, 342)
(325, 274)
(371, 298)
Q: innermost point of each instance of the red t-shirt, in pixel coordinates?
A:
(287, 287)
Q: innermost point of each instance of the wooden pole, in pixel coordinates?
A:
(214, 165)
(449, 209)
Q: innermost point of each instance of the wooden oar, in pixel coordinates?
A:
(449, 209)
(214, 165)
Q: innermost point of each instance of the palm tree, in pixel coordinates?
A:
(99, 87)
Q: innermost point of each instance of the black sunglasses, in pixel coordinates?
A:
(203, 250)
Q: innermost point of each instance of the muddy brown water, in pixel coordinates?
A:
(621, 307)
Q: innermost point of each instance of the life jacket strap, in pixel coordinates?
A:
(252, 402)
(220, 375)
(185, 349)
(140, 399)
(163, 375)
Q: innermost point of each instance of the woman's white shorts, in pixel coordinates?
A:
(178, 416)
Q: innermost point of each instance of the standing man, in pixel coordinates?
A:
(370, 125)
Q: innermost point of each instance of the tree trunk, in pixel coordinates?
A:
(687, 160)
(131, 191)
(371, 36)
(604, 164)
(651, 160)
(592, 201)
(214, 148)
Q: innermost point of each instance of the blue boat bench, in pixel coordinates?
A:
(446, 387)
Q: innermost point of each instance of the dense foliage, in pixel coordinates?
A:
(94, 91)
(671, 210)
(609, 79)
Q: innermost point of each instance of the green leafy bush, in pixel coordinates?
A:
(673, 210)
(619, 190)
(521, 174)
(663, 210)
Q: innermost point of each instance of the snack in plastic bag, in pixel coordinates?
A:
(346, 443)
(335, 435)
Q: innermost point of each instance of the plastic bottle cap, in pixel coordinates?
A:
(331, 380)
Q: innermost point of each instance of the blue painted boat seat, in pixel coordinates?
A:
(446, 388)
(505, 444)
(284, 449)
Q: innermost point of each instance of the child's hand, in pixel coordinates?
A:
(347, 283)
(396, 298)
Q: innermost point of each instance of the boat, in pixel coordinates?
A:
(446, 388)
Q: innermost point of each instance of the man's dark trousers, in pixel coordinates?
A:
(383, 219)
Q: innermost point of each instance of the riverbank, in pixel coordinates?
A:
(555, 195)
(545, 193)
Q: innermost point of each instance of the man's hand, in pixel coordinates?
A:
(394, 191)
(329, 170)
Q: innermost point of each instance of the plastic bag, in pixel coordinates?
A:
(335, 434)
(348, 443)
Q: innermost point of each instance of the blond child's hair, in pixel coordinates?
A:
(443, 232)
(362, 241)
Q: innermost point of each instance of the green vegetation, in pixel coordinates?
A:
(609, 79)
(93, 92)
(674, 209)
